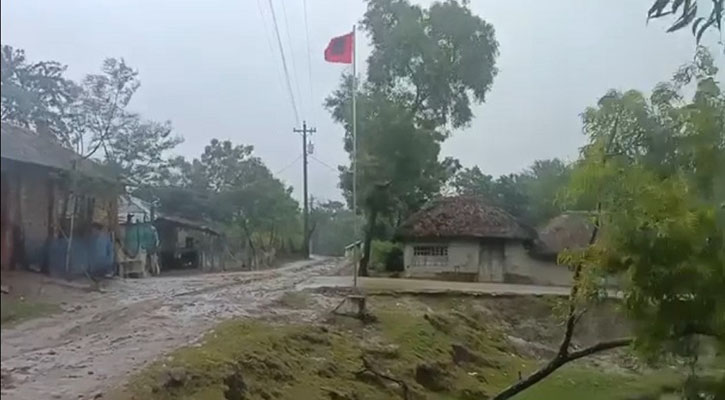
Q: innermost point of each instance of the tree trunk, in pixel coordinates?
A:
(365, 260)
(253, 251)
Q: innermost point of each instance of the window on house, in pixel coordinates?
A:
(430, 256)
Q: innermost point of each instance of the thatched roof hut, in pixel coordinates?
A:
(568, 231)
(463, 217)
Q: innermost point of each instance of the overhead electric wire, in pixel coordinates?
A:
(309, 52)
(289, 165)
(264, 23)
(331, 168)
(284, 64)
(291, 51)
(267, 38)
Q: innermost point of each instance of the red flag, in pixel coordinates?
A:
(340, 49)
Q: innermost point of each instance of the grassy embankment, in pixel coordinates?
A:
(441, 349)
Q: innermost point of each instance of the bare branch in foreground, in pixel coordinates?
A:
(556, 363)
(367, 367)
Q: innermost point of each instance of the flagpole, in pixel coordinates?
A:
(354, 150)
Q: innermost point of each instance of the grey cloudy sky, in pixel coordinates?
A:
(213, 69)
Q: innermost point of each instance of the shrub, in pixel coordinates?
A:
(386, 256)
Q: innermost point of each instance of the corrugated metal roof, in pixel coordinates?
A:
(25, 146)
(138, 208)
(185, 222)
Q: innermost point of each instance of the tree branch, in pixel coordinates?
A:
(107, 129)
(367, 367)
(599, 347)
(558, 362)
(563, 356)
(418, 101)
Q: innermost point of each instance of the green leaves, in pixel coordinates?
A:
(656, 167)
(90, 117)
(438, 60)
(686, 14)
(532, 196)
(36, 94)
(232, 186)
(102, 126)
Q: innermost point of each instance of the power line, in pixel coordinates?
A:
(269, 41)
(264, 23)
(309, 52)
(291, 50)
(284, 63)
(331, 168)
(288, 165)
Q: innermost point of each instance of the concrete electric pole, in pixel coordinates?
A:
(304, 131)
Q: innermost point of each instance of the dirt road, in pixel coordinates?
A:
(95, 344)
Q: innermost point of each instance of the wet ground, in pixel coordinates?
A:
(432, 286)
(102, 337)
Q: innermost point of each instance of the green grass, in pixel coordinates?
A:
(574, 382)
(14, 311)
(305, 362)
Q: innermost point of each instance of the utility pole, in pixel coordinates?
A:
(306, 232)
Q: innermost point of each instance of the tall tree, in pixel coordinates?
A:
(654, 164)
(35, 94)
(426, 68)
(91, 118)
(102, 122)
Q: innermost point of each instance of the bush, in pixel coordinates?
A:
(394, 260)
(386, 256)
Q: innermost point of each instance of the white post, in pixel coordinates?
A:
(354, 152)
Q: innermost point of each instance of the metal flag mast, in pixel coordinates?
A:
(354, 153)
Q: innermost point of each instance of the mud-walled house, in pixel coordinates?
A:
(59, 211)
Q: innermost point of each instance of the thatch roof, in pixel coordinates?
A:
(25, 146)
(463, 217)
(568, 231)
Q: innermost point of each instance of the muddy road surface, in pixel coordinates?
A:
(97, 341)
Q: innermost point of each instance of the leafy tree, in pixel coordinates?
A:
(229, 184)
(426, 68)
(530, 195)
(87, 117)
(655, 166)
(101, 121)
(36, 95)
(332, 227)
(436, 61)
(547, 179)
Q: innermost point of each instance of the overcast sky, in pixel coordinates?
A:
(212, 67)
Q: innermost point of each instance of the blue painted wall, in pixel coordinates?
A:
(91, 254)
